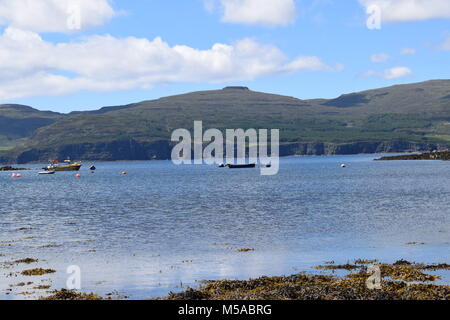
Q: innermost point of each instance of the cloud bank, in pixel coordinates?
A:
(30, 66)
(410, 10)
(259, 12)
(389, 74)
(379, 57)
(55, 15)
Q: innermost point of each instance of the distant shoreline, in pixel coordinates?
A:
(282, 157)
(428, 156)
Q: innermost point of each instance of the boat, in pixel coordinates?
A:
(47, 172)
(242, 166)
(67, 165)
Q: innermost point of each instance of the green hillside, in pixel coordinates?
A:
(414, 114)
(18, 122)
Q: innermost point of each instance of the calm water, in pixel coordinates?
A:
(162, 226)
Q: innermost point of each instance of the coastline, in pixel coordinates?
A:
(402, 280)
(132, 150)
(393, 154)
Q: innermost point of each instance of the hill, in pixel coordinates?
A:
(401, 118)
(18, 122)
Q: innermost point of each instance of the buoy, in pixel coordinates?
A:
(123, 173)
(16, 175)
(343, 165)
(78, 175)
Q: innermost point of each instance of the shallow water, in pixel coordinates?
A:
(162, 227)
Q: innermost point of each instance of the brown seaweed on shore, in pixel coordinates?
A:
(24, 229)
(245, 249)
(66, 295)
(37, 272)
(26, 261)
(42, 287)
(338, 267)
(394, 286)
(21, 284)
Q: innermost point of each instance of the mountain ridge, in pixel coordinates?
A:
(398, 118)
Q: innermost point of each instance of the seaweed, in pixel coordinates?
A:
(37, 272)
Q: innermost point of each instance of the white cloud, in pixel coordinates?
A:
(30, 66)
(397, 73)
(55, 15)
(209, 5)
(445, 46)
(259, 12)
(410, 10)
(408, 51)
(379, 57)
(312, 64)
(392, 73)
(369, 73)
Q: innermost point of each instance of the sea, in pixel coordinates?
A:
(162, 228)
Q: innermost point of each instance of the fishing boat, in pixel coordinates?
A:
(67, 165)
(242, 166)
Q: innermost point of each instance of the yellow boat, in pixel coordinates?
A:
(66, 166)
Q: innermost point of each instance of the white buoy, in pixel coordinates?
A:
(343, 165)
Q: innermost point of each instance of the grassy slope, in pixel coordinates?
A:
(18, 122)
(416, 113)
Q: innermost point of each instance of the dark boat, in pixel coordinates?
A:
(242, 166)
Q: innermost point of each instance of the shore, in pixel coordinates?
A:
(9, 168)
(402, 280)
(435, 155)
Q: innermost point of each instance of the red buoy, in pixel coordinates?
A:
(78, 175)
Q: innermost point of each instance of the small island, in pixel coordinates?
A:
(443, 155)
(9, 168)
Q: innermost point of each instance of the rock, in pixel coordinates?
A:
(437, 155)
(9, 168)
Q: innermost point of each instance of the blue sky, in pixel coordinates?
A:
(302, 48)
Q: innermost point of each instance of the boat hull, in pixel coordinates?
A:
(65, 168)
(241, 166)
(47, 172)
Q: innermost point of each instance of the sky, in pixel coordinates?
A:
(66, 55)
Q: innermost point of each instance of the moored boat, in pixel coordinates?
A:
(46, 172)
(242, 166)
(67, 165)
